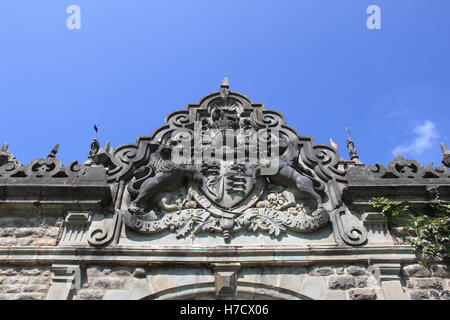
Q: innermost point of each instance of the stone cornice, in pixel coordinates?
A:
(179, 255)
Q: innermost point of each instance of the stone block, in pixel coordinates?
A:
(440, 270)
(335, 295)
(39, 280)
(35, 288)
(26, 241)
(314, 287)
(427, 283)
(30, 272)
(30, 296)
(7, 232)
(321, 271)
(13, 288)
(116, 295)
(108, 283)
(89, 294)
(416, 270)
(341, 282)
(434, 295)
(361, 281)
(28, 232)
(8, 271)
(362, 294)
(94, 271)
(340, 270)
(140, 273)
(356, 271)
(7, 242)
(16, 280)
(419, 295)
(445, 295)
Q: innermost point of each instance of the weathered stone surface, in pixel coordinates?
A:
(445, 295)
(361, 281)
(140, 273)
(440, 270)
(16, 280)
(30, 296)
(7, 232)
(356, 271)
(340, 270)
(7, 271)
(427, 283)
(434, 295)
(94, 271)
(7, 241)
(108, 283)
(419, 295)
(321, 271)
(362, 294)
(31, 272)
(89, 294)
(416, 270)
(341, 282)
(314, 287)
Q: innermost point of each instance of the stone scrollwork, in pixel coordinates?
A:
(103, 233)
(407, 168)
(255, 174)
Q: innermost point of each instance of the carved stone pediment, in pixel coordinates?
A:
(227, 165)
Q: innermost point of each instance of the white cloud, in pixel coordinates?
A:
(426, 135)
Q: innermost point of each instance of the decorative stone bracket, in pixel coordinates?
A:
(226, 279)
(388, 277)
(377, 228)
(76, 225)
(66, 277)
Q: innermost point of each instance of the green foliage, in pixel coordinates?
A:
(427, 228)
(394, 211)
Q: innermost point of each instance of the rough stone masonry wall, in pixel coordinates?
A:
(346, 282)
(427, 282)
(24, 283)
(102, 279)
(30, 230)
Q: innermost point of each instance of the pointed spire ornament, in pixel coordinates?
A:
(445, 155)
(351, 147)
(54, 151)
(4, 147)
(225, 89)
(5, 156)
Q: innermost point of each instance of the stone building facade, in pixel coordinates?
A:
(225, 200)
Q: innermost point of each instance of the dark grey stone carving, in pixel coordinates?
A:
(445, 155)
(227, 193)
(407, 168)
(100, 156)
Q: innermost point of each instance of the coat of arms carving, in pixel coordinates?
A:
(227, 165)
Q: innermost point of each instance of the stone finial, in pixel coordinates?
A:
(351, 147)
(95, 146)
(225, 89)
(4, 154)
(4, 147)
(445, 155)
(54, 151)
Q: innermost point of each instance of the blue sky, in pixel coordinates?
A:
(315, 61)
